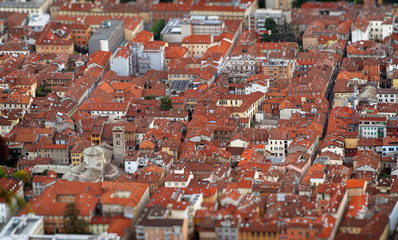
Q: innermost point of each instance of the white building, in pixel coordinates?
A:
(38, 21)
(256, 20)
(105, 109)
(30, 226)
(334, 146)
(256, 86)
(387, 95)
(376, 29)
(131, 165)
(392, 66)
(240, 67)
(390, 148)
(121, 62)
(22, 227)
(147, 56)
(373, 126)
(387, 28)
(360, 30)
(238, 143)
(287, 112)
(178, 177)
(177, 29)
(278, 146)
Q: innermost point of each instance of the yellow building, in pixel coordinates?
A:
(115, 10)
(76, 159)
(132, 27)
(30, 7)
(76, 153)
(5, 126)
(16, 101)
(231, 100)
(99, 225)
(250, 106)
(95, 138)
(395, 80)
(55, 38)
(258, 231)
(225, 12)
(192, 97)
(197, 45)
(183, 74)
(171, 152)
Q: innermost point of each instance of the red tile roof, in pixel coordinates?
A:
(355, 183)
(198, 39)
(143, 36)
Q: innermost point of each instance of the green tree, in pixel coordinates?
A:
(157, 27)
(272, 28)
(42, 91)
(44, 173)
(286, 33)
(4, 151)
(165, 103)
(14, 156)
(13, 201)
(23, 175)
(2, 172)
(152, 96)
(74, 225)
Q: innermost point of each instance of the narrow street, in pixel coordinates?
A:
(330, 99)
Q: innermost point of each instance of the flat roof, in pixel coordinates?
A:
(106, 32)
(15, 4)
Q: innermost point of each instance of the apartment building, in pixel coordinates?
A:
(197, 44)
(108, 37)
(80, 34)
(234, 10)
(31, 7)
(147, 56)
(256, 20)
(177, 29)
(55, 38)
(373, 126)
(154, 224)
(277, 70)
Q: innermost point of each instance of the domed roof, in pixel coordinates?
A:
(93, 150)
